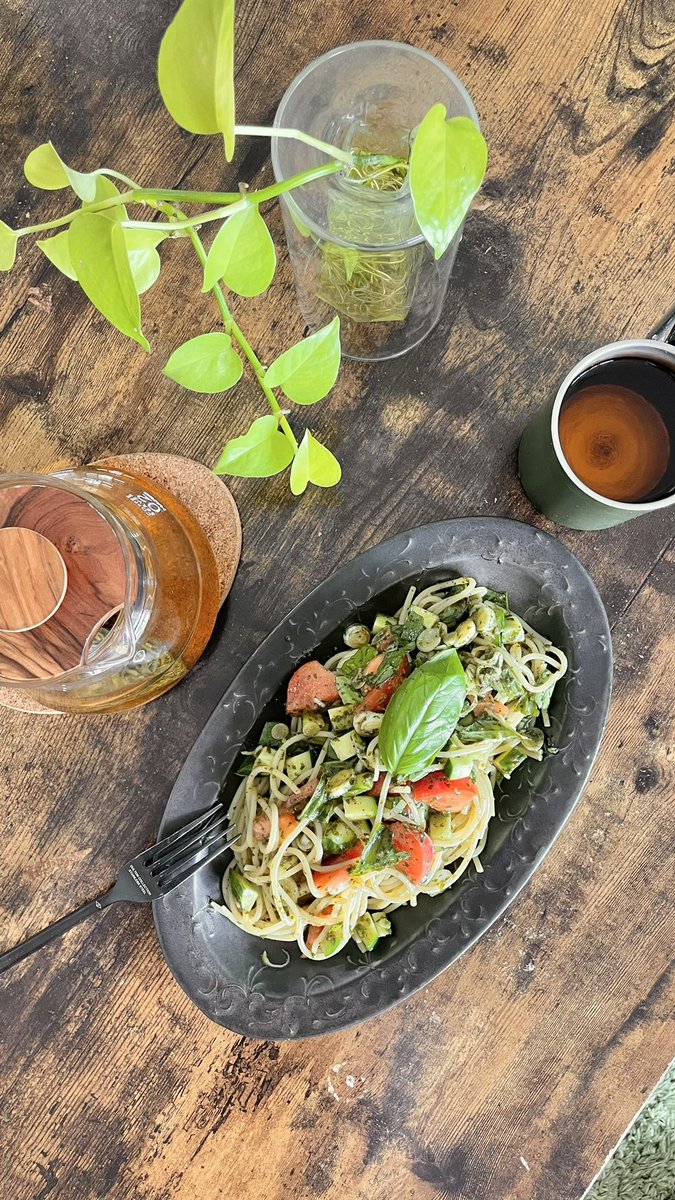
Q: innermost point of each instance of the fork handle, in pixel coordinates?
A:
(91, 909)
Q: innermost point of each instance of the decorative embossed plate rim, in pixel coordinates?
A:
(217, 964)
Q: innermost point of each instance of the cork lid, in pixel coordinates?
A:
(62, 575)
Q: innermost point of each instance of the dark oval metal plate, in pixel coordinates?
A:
(218, 965)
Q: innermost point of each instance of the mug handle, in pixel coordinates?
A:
(665, 331)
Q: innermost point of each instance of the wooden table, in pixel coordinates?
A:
(516, 1072)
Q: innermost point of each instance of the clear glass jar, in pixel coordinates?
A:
(142, 591)
(358, 252)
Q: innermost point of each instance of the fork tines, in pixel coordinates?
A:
(178, 856)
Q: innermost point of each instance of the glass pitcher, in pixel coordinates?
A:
(108, 588)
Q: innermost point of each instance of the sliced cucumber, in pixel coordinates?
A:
(341, 717)
(245, 893)
(297, 764)
(427, 617)
(360, 808)
(347, 746)
(266, 757)
(382, 622)
(459, 767)
(382, 924)
(440, 827)
(366, 933)
(337, 837)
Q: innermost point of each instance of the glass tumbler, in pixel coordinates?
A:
(356, 251)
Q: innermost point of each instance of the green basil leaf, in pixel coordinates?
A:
(405, 636)
(494, 597)
(99, 257)
(390, 664)
(261, 452)
(378, 853)
(208, 364)
(8, 241)
(356, 663)
(242, 255)
(422, 714)
(313, 463)
(196, 68)
(45, 169)
(57, 250)
(348, 694)
(447, 166)
(307, 371)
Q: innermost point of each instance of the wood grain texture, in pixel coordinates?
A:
(515, 1073)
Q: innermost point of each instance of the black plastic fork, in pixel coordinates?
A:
(150, 875)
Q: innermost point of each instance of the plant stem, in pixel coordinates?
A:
(229, 202)
(233, 329)
(298, 135)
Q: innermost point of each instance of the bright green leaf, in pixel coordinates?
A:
(447, 166)
(242, 255)
(105, 190)
(8, 240)
(99, 257)
(196, 68)
(44, 168)
(261, 452)
(57, 249)
(307, 371)
(313, 463)
(208, 363)
(144, 260)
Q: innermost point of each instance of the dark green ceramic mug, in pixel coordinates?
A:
(545, 473)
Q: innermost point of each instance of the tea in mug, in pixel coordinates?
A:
(617, 430)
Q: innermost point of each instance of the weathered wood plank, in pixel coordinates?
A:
(540, 1042)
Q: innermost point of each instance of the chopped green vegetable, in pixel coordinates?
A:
(319, 805)
(360, 808)
(382, 622)
(494, 597)
(245, 893)
(379, 853)
(342, 717)
(348, 693)
(330, 940)
(314, 723)
(266, 757)
(349, 782)
(347, 746)
(382, 924)
(297, 764)
(390, 664)
(506, 763)
(274, 733)
(454, 613)
(440, 826)
(337, 837)
(459, 767)
(366, 934)
(354, 665)
(427, 618)
(244, 769)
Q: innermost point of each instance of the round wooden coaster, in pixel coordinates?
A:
(205, 495)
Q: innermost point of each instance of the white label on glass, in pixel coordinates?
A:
(147, 502)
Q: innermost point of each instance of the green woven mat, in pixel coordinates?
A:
(643, 1164)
